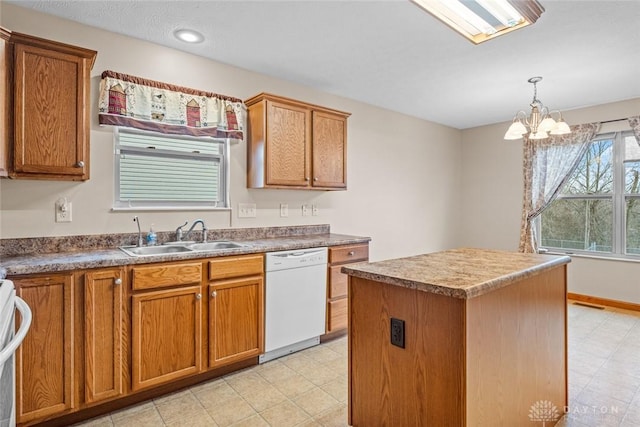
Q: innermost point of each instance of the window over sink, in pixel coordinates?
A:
(159, 171)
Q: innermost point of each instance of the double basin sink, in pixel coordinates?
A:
(180, 248)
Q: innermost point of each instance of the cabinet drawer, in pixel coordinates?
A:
(337, 282)
(348, 253)
(158, 276)
(236, 266)
(337, 314)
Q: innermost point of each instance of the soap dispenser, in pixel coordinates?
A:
(152, 238)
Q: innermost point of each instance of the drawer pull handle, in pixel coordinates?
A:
(351, 253)
(118, 281)
(214, 294)
(198, 296)
(80, 164)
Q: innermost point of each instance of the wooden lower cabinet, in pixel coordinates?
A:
(337, 301)
(236, 309)
(44, 361)
(166, 335)
(104, 335)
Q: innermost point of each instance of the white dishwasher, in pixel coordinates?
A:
(295, 301)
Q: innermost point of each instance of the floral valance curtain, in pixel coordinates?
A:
(634, 122)
(548, 164)
(160, 107)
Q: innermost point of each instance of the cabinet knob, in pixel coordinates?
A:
(80, 164)
(306, 178)
(118, 281)
(315, 178)
(351, 253)
(198, 296)
(214, 294)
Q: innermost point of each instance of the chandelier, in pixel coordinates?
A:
(539, 124)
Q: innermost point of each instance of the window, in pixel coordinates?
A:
(159, 171)
(598, 209)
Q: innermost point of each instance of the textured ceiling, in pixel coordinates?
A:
(395, 55)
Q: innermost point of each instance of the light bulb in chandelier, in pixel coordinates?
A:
(540, 123)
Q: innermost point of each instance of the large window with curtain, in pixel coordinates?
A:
(598, 209)
(155, 170)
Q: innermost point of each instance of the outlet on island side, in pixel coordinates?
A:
(397, 332)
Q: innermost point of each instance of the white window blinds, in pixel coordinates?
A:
(157, 170)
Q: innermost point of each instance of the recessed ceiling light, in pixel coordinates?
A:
(188, 36)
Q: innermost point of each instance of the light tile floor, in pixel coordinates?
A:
(309, 388)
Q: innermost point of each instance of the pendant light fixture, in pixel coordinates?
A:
(539, 124)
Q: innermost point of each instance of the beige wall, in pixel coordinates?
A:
(492, 200)
(403, 173)
(414, 186)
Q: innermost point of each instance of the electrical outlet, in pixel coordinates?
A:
(63, 210)
(284, 210)
(314, 210)
(305, 210)
(246, 210)
(397, 332)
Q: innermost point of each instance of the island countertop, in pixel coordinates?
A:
(461, 273)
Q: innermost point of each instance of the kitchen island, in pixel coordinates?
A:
(464, 337)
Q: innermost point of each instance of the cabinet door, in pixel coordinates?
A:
(51, 113)
(288, 145)
(167, 327)
(236, 320)
(329, 150)
(103, 334)
(44, 360)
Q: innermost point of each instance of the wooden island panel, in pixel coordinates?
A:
(419, 385)
(475, 361)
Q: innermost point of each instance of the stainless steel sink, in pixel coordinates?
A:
(153, 250)
(180, 247)
(212, 246)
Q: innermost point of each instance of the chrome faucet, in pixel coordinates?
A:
(137, 221)
(196, 222)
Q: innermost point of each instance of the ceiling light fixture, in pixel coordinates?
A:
(188, 36)
(539, 124)
(482, 20)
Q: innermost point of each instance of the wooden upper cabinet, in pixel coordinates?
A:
(51, 109)
(329, 150)
(293, 144)
(288, 145)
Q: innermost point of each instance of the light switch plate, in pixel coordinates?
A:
(284, 210)
(246, 210)
(305, 210)
(314, 210)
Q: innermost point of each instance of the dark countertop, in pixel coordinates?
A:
(97, 258)
(460, 273)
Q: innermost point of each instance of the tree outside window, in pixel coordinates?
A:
(598, 209)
